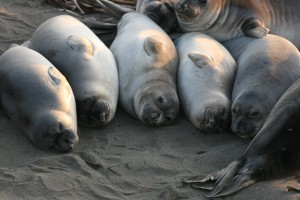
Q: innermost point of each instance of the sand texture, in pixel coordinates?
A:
(124, 160)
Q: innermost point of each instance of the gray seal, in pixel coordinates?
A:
(162, 12)
(266, 68)
(147, 64)
(280, 131)
(38, 99)
(86, 62)
(228, 19)
(205, 79)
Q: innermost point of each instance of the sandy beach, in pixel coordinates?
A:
(124, 160)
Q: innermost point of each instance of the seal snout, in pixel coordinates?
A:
(213, 120)
(186, 9)
(101, 110)
(93, 112)
(67, 141)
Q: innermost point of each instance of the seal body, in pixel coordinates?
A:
(264, 72)
(147, 64)
(205, 79)
(280, 132)
(228, 19)
(86, 62)
(38, 99)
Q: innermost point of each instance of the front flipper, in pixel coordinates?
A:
(113, 8)
(236, 176)
(253, 27)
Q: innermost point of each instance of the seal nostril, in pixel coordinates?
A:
(168, 118)
(160, 100)
(155, 116)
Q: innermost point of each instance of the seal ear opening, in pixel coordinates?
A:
(153, 45)
(81, 44)
(201, 60)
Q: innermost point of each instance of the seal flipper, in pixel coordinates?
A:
(253, 27)
(81, 44)
(54, 77)
(201, 59)
(226, 181)
(113, 8)
(153, 46)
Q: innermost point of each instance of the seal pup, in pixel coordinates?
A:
(228, 19)
(264, 72)
(162, 12)
(147, 64)
(86, 62)
(38, 99)
(280, 131)
(205, 79)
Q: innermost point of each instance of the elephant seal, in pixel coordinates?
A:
(38, 99)
(228, 19)
(86, 62)
(264, 72)
(280, 132)
(162, 12)
(205, 79)
(147, 64)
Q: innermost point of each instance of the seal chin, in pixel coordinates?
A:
(93, 112)
(246, 135)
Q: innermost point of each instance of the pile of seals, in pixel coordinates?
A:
(234, 66)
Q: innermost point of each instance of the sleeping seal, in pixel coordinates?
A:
(147, 64)
(162, 12)
(38, 99)
(228, 19)
(264, 72)
(86, 62)
(280, 131)
(205, 78)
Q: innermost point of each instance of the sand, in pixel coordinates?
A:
(124, 160)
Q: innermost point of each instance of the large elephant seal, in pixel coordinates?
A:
(280, 131)
(266, 68)
(86, 62)
(38, 99)
(228, 19)
(205, 79)
(162, 12)
(147, 64)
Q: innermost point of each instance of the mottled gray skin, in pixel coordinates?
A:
(228, 19)
(266, 68)
(205, 79)
(87, 63)
(279, 132)
(147, 64)
(38, 99)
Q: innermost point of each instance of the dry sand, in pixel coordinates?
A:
(124, 160)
